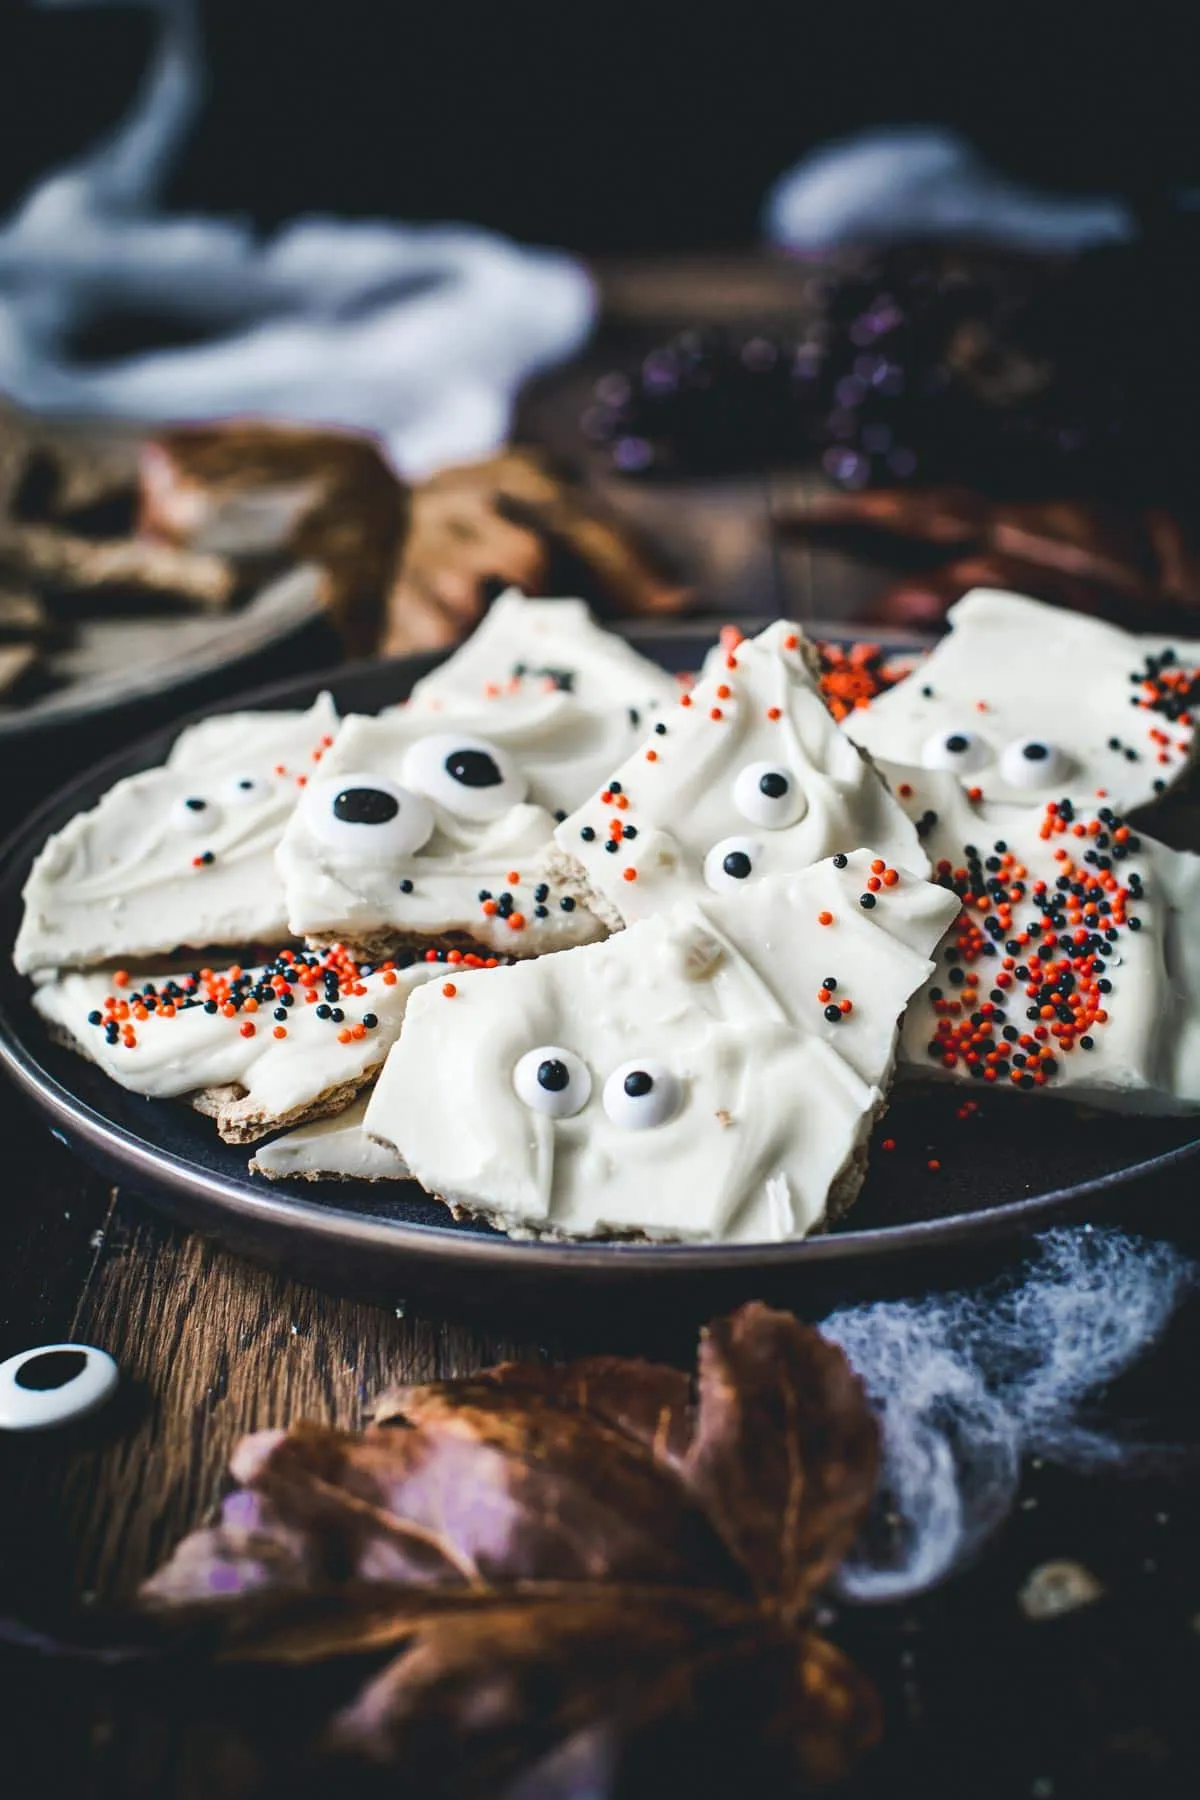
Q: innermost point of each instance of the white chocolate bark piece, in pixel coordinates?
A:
(253, 1072)
(331, 1149)
(749, 775)
(536, 646)
(182, 855)
(1105, 955)
(1028, 702)
(694, 1077)
(412, 833)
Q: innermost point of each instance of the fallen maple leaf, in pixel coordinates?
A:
(591, 1568)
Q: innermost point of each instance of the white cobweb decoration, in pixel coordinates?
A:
(422, 335)
(968, 1384)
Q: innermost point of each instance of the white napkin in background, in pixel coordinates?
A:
(422, 335)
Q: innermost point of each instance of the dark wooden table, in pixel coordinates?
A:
(980, 1701)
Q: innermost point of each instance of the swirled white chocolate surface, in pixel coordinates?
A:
(420, 829)
(331, 1149)
(748, 775)
(1026, 702)
(1074, 965)
(260, 1047)
(546, 646)
(711, 1073)
(182, 855)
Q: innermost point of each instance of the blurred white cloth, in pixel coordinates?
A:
(422, 335)
(924, 182)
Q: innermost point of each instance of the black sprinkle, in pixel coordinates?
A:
(567, 904)
(866, 900)
(587, 833)
(833, 1014)
(406, 886)
(840, 861)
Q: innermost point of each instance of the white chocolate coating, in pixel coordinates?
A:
(683, 789)
(1144, 1055)
(335, 889)
(541, 645)
(769, 1100)
(1014, 672)
(332, 1149)
(195, 1050)
(122, 881)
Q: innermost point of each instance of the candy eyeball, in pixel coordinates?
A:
(471, 778)
(246, 790)
(731, 863)
(367, 816)
(958, 751)
(642, 1094)
(195, 815)
(769, 795)
(1034, 763)
(553, 1081)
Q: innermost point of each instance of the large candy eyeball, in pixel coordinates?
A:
(367, 816)
(1033, 763)
(471, 778)
(958, 750)
(731, 863)
(552, 1080)
(640, 1095)
(246, 790)
(195, 814)
(769, 795)
(48, 1386)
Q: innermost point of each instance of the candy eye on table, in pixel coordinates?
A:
(54, 1384)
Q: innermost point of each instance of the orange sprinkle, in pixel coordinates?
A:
(846, 1006)
(120, 977)
(685, 699)
(773, 712)
(878, 866)
(716, 713)
(975, 793)
(824, 918)
(652, 756)
(873, 884)
(905, 793)
(981, 706)
(791, 641)
(513, 877)
(489, 907)
(723, 692)
(823, 994)
(888, 1144)
(247, 1030)
(358, 1032)
(516, 921)
(890, 878)
(344, 1035)
(250, 1005)
(449, 989)
(302, 781)
(934, 1164)
(229, 1009)
(280, 1031)
(629, 874)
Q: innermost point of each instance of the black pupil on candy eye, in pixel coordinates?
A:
(773, 785)
(473, 768)
(638, 1083)
(1035, 753)
(553, 1075)
(365, 806)
(53, 1369)
(737, 864)
(246, 785)
(195, 805)
(956, 744)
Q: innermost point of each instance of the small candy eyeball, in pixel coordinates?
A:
(769, 795)
(195, 815)
(246, 790)
(957, 750)
(731, 863)
(54, 1384)
(1033, 763)
(367, 815)
(553, 1081)
(472, 778)
(642, 1094)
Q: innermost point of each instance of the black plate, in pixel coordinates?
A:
(1009, 1167)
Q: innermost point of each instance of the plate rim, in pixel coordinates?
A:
(278, 1211)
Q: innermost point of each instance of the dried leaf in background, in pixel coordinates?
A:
(545, 1569)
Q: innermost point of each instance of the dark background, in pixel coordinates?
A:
(614, 127)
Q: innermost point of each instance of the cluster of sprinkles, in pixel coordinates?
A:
(256, 999)
(851, 676)
(1055, 957)
(506, 904)
(837, 1007)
